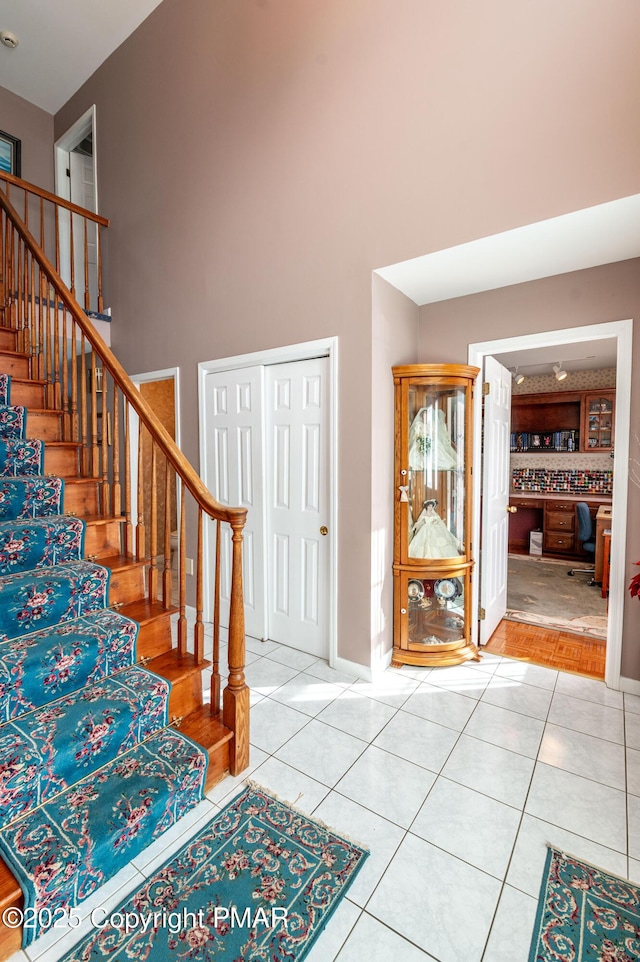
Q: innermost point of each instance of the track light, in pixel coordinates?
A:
(558, 371)
(518, 378)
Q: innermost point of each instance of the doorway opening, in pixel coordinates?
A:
(557, 341)
(268, 441)
(161, 391)
(75, 171)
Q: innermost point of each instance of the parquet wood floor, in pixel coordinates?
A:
(554, 649)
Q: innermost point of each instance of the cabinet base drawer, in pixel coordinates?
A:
(558, 541)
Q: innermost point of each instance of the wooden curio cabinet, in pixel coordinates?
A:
(598, 420)
(432, 518)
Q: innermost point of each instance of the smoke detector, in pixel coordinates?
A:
(9, 39)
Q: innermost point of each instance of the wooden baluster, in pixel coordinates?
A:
(215, 675)
(105, 486)
(153, 533)
(56, 220)
(3, 269)
(99, 253)
(72, 257)
(74, 427)
(8, 275)
(25, 289)
(95, 472)
(57, 386)
(140, 526)
(20, 304)
(34, 321)
(128, 526)
(166, 574)
(198, 631)
(66, 401)
(235, 698)
(87, 304)
(42, 338)
(116, 490)
(182, 568)
(84, 427)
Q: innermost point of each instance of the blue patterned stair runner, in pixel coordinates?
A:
(45, 751)
(40, 543)
(13, 421)
(31, 600)
(5, 388)
(44, 665)
(18, 457)
(89, 773)
(37, 496)
(62, 851)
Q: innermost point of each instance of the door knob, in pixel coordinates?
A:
(324, 530)
(511, 508)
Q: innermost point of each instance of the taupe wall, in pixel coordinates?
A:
(608, 293)
(394, 340)
(258, 160)
(34, 127)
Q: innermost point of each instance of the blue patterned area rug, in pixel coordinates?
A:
(585, 914)
(258, 883)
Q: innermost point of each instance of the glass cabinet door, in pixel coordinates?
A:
(599, 422)
(435, 611)
(436, 445)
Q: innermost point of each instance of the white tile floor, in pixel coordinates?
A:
(455, 778)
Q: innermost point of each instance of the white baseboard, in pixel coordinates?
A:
(632, 685)
(353, 668)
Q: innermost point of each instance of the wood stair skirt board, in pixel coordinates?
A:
(128, 586)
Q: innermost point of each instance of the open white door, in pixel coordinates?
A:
(495, 497)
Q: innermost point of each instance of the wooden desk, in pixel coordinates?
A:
(603, 521)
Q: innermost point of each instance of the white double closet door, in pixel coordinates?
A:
(266, 449)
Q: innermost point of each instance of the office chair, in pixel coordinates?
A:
(586, 536)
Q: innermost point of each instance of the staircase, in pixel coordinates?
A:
(106, 688)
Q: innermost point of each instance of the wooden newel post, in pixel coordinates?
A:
(235, 697)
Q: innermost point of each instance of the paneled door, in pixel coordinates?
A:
(495, 497)
(234, 473)
(267, 449)
(297, 504)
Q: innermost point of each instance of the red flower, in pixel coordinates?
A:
(634, 585)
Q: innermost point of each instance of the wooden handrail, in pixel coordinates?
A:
(54, 198)
(161, 436)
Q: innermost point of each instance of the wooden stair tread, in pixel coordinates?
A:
(27, 380)
(144, 611)
(97, 519)
(65, 444)
(5, 352)
(120, 562)
(205, 728)
(175, 667)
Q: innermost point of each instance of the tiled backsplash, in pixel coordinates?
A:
(564, 480)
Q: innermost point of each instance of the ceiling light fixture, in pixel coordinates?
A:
(518, 378)
(9, 39)
(558, 371)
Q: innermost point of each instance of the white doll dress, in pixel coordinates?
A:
(431, 537)
(430, 447)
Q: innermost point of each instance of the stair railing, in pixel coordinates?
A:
(86, 383)
(71, 237)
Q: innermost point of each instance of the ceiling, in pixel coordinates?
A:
(61, 43)
(587, 238)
